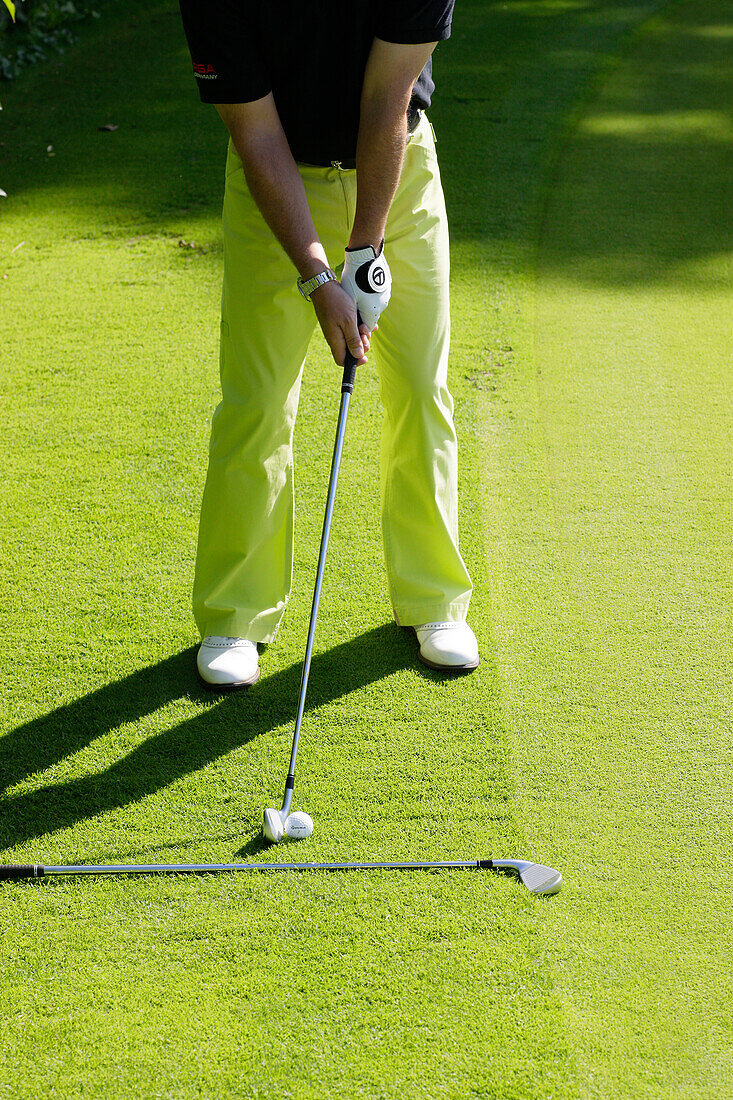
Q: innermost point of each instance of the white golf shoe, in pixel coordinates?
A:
(228, 662)
(448, 647)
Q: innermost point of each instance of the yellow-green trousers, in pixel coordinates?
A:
(245, 548)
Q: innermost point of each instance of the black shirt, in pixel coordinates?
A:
(310, 55)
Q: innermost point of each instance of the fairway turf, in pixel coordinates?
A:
(613, 562)
(585, 151)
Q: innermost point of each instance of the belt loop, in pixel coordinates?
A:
(413, 119)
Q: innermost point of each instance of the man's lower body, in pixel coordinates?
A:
(245, 549)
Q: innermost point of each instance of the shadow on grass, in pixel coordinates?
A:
(233, 720)
(663, 198)
(514, 74)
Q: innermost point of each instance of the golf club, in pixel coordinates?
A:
(537, 879)
(273, 821)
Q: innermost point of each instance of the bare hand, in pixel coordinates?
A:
(336, 315)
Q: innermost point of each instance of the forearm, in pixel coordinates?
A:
(277, 187)
(389, 78)
(380, 154)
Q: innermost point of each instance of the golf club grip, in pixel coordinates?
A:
(347, 383)
(10, 872)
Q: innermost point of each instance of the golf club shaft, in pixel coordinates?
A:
(16, 872)
(347, 388)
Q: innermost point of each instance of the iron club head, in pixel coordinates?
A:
(272, 826)
(536, 877)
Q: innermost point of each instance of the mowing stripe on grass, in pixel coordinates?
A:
(610, 497)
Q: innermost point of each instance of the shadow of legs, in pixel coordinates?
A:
(185, 748)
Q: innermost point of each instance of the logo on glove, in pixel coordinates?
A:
(366, 277)
(370, 278)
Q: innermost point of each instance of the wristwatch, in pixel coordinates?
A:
(307, 286)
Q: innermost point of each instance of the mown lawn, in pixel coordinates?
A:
(585, 150)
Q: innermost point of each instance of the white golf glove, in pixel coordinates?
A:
(367, 278)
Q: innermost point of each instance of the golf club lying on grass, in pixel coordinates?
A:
(538, 879)
(275, 822)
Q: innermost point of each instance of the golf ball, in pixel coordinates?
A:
(298, 825)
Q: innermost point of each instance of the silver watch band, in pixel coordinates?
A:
(307, 286)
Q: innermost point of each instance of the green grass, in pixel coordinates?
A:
(585, 150)
(612, 550)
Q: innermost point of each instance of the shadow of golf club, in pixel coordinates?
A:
(256, 845)
(232, 721)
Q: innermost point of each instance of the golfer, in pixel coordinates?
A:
(332, 205)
